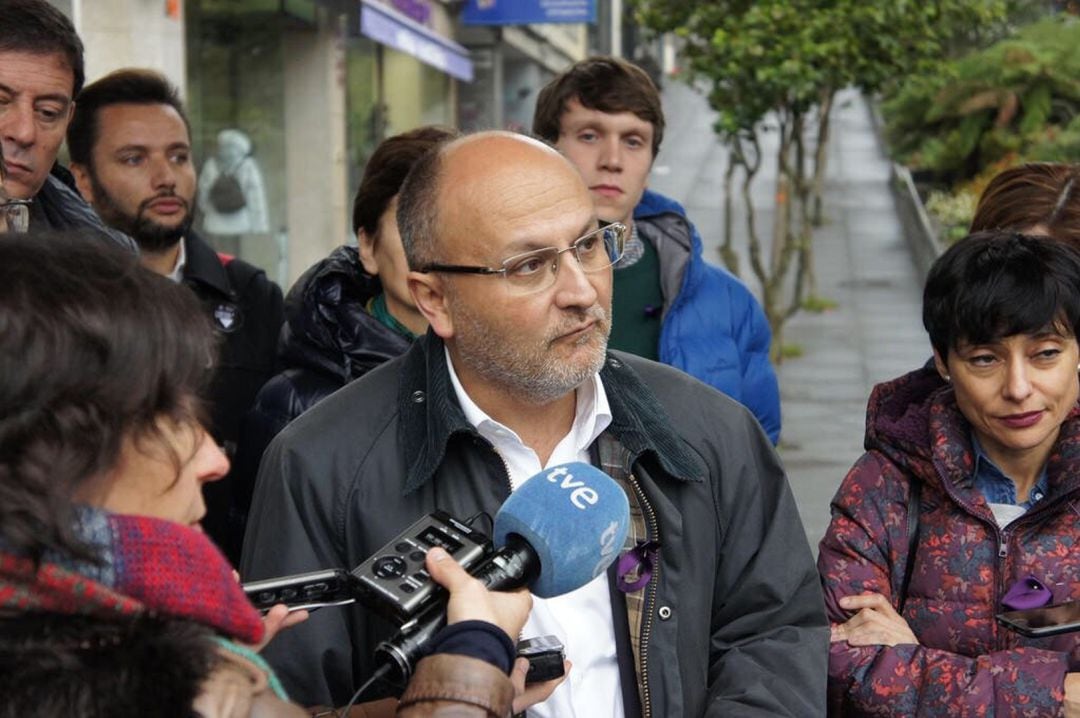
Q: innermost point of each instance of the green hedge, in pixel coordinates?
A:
(1019, 98)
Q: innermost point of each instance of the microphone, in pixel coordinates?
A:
(557, 532)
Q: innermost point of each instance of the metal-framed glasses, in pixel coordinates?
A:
(536, 271)
(14, 215)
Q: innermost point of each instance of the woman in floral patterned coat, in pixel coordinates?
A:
(989, 437)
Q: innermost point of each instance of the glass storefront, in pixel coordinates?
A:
(236, 104)
(268, 80)
(366, 120)
(416, 94)
(388, 92)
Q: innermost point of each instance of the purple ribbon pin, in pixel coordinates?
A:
(1027, 592)
(635, 567)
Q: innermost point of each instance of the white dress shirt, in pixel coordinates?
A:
(177, 273)
(581, 619)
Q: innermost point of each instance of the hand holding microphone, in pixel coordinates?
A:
(557, 532)
(470, 601)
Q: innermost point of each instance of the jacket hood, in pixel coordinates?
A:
(653, 204)
(670, 218)
(327, 325)
(914, 420)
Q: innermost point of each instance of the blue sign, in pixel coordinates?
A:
(527, 12)
(391, 28)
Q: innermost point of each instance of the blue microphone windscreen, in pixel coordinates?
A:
(575, 517)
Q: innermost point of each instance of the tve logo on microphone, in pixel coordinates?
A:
(581, 495)
(574, 516)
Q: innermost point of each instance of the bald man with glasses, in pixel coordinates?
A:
(714, 607)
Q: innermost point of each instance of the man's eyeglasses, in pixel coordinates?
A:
(535, 271)
(14, 215)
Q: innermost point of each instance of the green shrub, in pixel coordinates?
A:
(1018, 96)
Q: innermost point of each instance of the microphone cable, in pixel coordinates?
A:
(490, 522)
(382, 672)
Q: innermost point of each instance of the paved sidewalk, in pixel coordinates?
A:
(863, 264)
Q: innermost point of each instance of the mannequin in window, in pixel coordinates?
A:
(231, 192)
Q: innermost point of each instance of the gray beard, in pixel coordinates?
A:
(523, 371)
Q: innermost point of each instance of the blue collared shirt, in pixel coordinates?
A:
(997, 488)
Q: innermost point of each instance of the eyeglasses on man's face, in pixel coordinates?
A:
(14, 214)
(537, 270)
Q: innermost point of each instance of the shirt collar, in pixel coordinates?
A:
(177, 273)
(996, 486)
(592, 413)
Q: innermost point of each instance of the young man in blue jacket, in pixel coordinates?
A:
(604, 114)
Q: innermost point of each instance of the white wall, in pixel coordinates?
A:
(315, 144)
(131, 33)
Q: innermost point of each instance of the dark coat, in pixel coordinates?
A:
(58, 207)
(245, 308)
(328, 340)
(735, 624)
(965, 663)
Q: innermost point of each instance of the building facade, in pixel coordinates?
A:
(296, 94)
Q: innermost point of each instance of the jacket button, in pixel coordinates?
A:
(418, 397)
(664, 612)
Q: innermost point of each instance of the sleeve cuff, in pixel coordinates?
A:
(477, 639)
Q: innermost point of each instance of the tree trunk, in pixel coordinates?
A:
(727, 250)
(783, 195)
(821, 154)
(805, 280)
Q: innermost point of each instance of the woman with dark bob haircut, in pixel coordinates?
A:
(112, 601)
(964, 504)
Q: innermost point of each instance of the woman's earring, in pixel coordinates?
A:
(948, 378)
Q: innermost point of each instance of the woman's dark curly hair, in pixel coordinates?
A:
(93, 349)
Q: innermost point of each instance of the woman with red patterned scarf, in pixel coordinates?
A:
(112, 602)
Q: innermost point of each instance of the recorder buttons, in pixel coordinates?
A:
(390, 567)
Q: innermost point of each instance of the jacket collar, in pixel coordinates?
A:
(640, 423)
(59, 206)
(431, 416)
(653, 204)
(204, 266)
(327, 325)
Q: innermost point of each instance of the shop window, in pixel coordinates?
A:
(236, 106)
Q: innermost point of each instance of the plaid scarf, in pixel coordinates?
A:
(147, 565)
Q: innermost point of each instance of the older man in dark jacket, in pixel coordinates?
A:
(41, 71)
(715, 609)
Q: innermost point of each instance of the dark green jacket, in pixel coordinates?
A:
(737, 624)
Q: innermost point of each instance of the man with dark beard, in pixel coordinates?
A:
(714, 607)
(130, 151)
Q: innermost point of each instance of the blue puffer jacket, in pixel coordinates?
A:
(712, 327)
